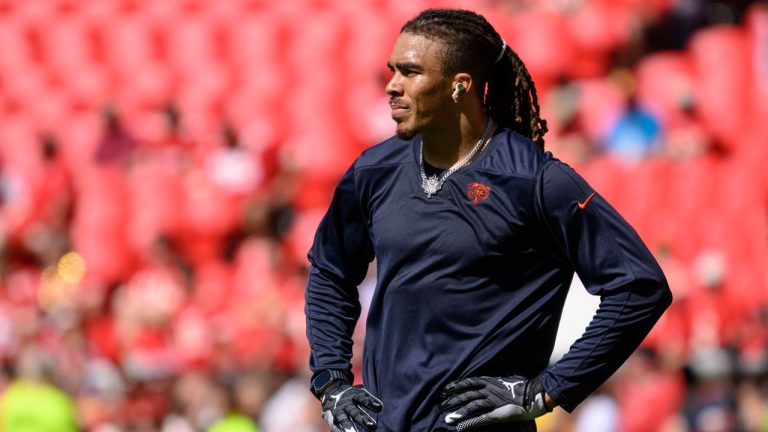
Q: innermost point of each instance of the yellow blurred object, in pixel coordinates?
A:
(57, 284)
(71, 268)
(544, 421)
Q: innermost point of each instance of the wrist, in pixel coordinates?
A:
(537, 400)
(327, 379)
(336, 385)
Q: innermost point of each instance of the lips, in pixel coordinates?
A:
(397, 109)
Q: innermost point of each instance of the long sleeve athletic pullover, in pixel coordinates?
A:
(472, 281)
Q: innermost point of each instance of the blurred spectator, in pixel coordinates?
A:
(232, 168)
(649, 394)
(116, 144)
(36, 204)
(711, 403)
(244, 400)
(32, 402)
(636, 134)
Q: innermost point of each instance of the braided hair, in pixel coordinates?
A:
(472, 45)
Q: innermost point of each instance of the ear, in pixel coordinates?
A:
(465, 79)
(461, 85)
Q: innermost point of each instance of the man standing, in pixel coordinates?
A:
(477, 233)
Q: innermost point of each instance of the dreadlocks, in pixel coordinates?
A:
(472, 45)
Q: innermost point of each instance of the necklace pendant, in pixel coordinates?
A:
(430, 185)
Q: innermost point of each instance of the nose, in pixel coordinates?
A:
(394, 88)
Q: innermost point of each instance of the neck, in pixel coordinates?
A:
(445, 146)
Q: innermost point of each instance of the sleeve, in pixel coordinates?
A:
(613, 263)
(339, 260)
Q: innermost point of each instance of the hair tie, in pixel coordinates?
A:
(503, 50)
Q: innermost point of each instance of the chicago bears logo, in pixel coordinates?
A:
(478, 192)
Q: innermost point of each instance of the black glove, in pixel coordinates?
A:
(342, 408)
(475, 402)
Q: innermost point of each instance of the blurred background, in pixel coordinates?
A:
(163, 166)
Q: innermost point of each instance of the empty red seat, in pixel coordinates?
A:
(546, 48)
(599, 26)
(757, 26)
(666, 84)
(65, 46)
(721, 56)
(127, 43)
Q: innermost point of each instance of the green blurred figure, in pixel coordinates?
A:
(234, 422)
(237, 405)
(31, 403)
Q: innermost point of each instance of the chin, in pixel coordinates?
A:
(405, 134)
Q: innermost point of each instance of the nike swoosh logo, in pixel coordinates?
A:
(452, 417)
(583, 205)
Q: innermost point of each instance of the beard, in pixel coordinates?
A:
(405, 134)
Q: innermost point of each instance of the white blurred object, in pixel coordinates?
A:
(234, 170)
(710, 268)
(598, 414)
(292, 408)
(580, 307)
(177, 423)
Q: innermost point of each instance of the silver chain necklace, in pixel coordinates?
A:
(432, 184)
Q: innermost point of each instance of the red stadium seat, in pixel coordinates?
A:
(546, 48)
(17, 55)
(155, 195)
(605, 174)
(99, 225)
(18, 147)
(757, 25)
(212, 286)
(597, 27)
(721, 56)
(666, 84)
(79, 136)
(190, 45)
(254, 39)
(302, 233)
(127, 43)
(689, 201)
(366, 54)
(644, 192)
(255, 269)
(65, 46)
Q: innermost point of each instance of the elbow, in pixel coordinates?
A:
(664, 296)
(667, 296)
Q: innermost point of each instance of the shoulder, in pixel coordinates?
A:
(516, 155)
(392, 151)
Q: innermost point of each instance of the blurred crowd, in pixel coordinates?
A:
(163, 166)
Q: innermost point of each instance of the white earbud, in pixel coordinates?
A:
(457, 90)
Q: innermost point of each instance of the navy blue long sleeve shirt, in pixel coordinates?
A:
(472, 281)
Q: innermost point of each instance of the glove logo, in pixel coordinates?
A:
(510, 386)
(478, 192)
(452, 417)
